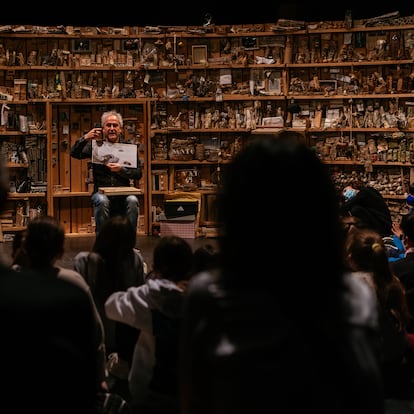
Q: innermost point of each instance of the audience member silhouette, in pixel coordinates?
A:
(366, 257)
(205, 257)
(404, 268)
(368, 205)
(114, 264)
(43, 245)
(155, 308)
(279, 326)
(48, 340)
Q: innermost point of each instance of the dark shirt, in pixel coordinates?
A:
(370, 208)
(235, 339)
(102, 175)
(48, 344)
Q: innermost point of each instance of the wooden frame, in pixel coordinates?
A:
(130, 44)
(81, 46)
(199, 53)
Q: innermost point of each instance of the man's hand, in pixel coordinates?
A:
(114, 166)
(94, 133)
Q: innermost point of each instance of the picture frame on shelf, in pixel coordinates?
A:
(273, 122)
(273, 83)
(249, 43)
(199, 53)
(130, 44)
(81, 46)
(329, 86)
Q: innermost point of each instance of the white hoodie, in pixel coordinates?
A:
(134, 307)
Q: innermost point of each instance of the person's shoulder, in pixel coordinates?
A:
(360, 300)
(138, 253)
(140, 261)
(156, 286)
(81, 255)
(203, 283)
(87, 257)
(369, 190)
(11, 279)
(72, 276)
(34, 287)
(69, 273)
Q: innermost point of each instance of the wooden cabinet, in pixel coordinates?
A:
(193, 96)
(23, 143)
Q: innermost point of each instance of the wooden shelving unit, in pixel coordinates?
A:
(193, 96)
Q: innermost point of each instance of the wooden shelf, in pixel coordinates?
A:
(65, 194)
(18, 196)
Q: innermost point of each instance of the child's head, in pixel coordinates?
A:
(173, 258)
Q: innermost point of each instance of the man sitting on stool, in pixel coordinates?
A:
(110, 174)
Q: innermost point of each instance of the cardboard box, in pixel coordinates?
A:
(184, 229)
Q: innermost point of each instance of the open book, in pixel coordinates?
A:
(104, 152)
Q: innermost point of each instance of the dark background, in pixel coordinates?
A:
(180, 12)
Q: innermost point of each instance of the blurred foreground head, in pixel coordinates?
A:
(278, 206)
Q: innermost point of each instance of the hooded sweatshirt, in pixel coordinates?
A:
(155, 309)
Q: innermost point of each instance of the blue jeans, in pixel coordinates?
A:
(105, 207)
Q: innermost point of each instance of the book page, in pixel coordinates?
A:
(104, 152)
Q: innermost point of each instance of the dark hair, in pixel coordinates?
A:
(116, 238)
(173, 258)
(366, 252)
(204, 258)
(44, 241)
(115, 244)
(407, 225)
